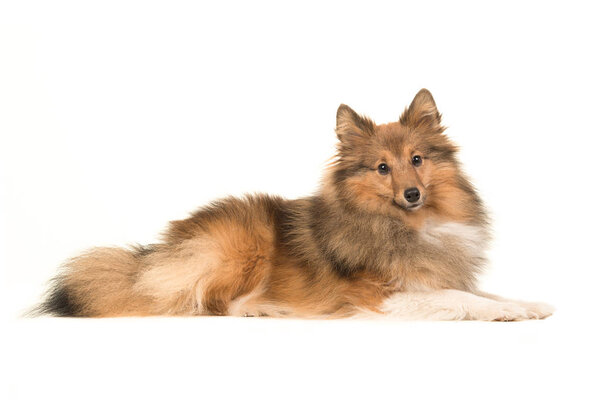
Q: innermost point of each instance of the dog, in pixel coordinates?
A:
(395, 230)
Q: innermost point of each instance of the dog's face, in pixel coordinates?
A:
(402, 168)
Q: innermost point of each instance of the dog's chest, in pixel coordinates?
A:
(450, 237)
(443, 255)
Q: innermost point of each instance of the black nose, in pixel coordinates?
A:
(412, 194)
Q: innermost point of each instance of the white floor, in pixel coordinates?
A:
(228, 358)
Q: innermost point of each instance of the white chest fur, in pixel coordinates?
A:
(471, 238)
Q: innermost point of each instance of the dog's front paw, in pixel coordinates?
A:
(511, 311)
(537, 310)
(499, 311)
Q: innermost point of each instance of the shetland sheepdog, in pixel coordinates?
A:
(395, 230)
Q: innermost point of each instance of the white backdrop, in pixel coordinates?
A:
(118, 116)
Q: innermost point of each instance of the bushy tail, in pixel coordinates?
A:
(98, 283)
(57, 302)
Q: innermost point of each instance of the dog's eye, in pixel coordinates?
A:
(383, 169)
(417, 160)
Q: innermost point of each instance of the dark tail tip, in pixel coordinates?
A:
(58, 302)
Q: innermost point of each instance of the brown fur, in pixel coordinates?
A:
(347, 248)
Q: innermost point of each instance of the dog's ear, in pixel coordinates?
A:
(350, 126)
(422, 112)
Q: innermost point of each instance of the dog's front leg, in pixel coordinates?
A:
(540, 310)
(452, 304)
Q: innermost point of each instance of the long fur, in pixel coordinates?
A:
(355, 248)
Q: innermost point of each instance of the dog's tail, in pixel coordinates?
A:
(98, 283)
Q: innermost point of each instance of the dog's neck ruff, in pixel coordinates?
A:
(472, 238)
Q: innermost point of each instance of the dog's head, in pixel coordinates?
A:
(405, 169)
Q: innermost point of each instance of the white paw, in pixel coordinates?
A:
(537, 310)
(499, 311)
(510, 311)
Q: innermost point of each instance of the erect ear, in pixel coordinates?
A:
(351, 126)
(422, 112)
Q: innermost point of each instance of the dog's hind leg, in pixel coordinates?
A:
(205, 274)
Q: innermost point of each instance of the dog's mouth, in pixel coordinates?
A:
(409, 207)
